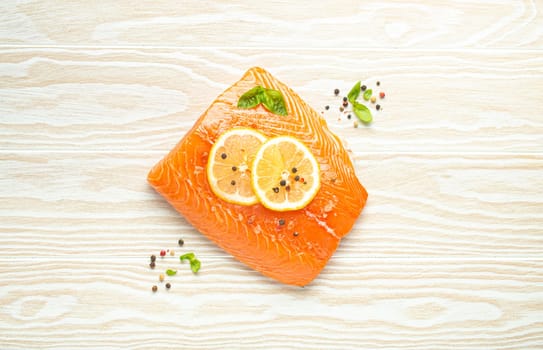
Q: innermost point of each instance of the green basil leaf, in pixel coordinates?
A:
(367, 94)
(271, 99)
(171, 272)
(188, 256)
(274, 102)
(353, 94)
(251, 98)
(362, 112)
(195, 265)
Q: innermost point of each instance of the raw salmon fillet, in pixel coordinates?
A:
(296, 251)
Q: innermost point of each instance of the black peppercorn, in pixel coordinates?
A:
(363, 88)
(336, 92)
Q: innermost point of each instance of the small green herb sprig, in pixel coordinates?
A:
(271, 99)
(362, 112)
(194, 263)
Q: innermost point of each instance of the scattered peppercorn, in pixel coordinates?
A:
(336, 92)
(344, 99)
(345, 104)
(281, 222)
(152, 264)
(295, 234)
(223, 155)
(363, 87)
(154, 289)
(382, 94)
(161, 277)
(282, 183)
(276, 189)
(153, 258)
(172, 253)
(373, 99)
(287, 188)
(378, 83)
(168, 285)
(297, 178)
(233, 182)
(180, 242)
(355, 124)
(234, 168)
(162, 252)
(377, 107)
(294, 170)
(327, 107)
(348, 116)
(341, 109)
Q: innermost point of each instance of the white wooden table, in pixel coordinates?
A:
(447, 253)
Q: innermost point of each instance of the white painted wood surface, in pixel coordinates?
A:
(448, 253)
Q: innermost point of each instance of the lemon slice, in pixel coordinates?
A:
(229, 165)
(285, 174)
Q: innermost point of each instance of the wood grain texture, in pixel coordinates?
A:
(446, 255)
(357, 303)
(127, 99)
(279, 24)
(418, 206)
